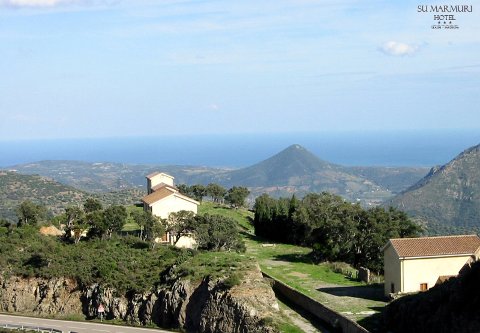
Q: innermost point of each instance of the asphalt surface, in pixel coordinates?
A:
(70, 326)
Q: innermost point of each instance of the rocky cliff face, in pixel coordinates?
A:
(207, 306)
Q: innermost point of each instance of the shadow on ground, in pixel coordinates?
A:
(375, 322)
(251, 235)
(318, 324)
(294, 257)
(372, 292)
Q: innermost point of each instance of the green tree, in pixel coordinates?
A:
(91, 205)
(96, 221)
(198, 191)
(376, 227)
(115, 218)
(181, 222)
(30, 213)
(216, 192)
(151, 226)
(236, 196)
(325, 222)
(264, 208)
(154, 228)
(72, 215)
(185, 189)
(217, 233)
(5, 223)
(75, 223)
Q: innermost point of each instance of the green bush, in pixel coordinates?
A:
(232, 280)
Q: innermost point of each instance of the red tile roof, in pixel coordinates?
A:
(164, 192)
(158, 195)
(435, 246)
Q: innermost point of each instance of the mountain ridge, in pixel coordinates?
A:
(292, 170)
(448, 195)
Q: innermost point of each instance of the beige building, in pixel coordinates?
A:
(417, 264)
(164, 198)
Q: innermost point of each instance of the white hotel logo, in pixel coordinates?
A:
(445, 16)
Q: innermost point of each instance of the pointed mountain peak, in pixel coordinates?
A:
(295, 147)
(296, 151)
(294, 162)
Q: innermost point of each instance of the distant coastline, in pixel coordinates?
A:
(381, 148)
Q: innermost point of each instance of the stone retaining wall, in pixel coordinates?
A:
(315, 308)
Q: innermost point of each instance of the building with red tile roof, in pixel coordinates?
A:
(163, 198)
(416, 264)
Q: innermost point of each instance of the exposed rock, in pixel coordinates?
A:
(207, 306)
(51, 231)
(40, 296)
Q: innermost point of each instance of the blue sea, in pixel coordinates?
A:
(379, 148)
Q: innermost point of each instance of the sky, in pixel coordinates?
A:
(126, 68)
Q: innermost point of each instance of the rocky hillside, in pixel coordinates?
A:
(449, 195)
(206, 306)
(194, 291)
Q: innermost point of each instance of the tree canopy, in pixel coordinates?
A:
(336, 230)
(30, 213)
(237, 195)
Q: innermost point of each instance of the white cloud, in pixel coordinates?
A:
(214, 107)
(398, 49)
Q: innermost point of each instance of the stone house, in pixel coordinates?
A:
(417, 264)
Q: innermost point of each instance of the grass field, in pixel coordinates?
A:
(292, 265)
(329, 283)
(131, 225)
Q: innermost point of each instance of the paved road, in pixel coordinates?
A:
(73, 326)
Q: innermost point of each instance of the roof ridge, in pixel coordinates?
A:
(433, 246)
(429, 237)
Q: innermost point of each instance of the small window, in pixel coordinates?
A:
(423, 286)
(392, 288)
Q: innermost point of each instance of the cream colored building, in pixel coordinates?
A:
(417, 264)
(164, 198)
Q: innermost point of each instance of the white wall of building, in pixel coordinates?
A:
(428, 270)
(158, 179)
(392, 271)
(172, 204)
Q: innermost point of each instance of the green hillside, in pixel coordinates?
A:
(16, 188)
(448, 195)
(106, 176)
(289, 167)
(296, 170)
(395, 179)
